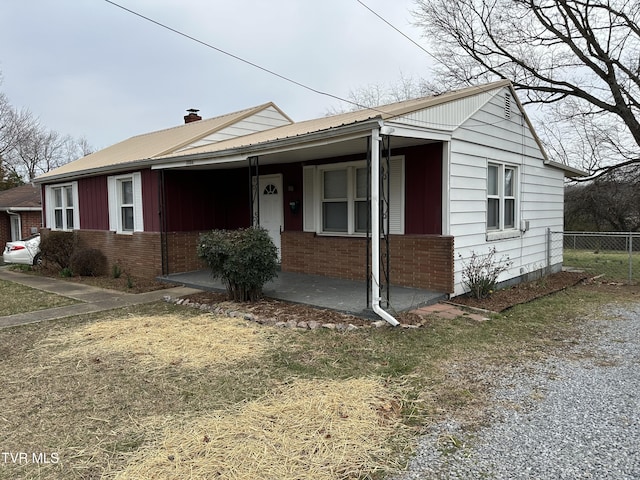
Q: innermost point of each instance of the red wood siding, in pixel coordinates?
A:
(207, 199)
(94, 203)
(150, 200)
(423, 190)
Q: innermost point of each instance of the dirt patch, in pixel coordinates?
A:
(121, 284)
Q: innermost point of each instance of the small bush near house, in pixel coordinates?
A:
(480, 273)
(57, 248)
(88, 262)
(116, 271)
(243, 259)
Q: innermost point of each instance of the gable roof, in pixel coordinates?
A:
(22, 198)
(384, 112)
(158, 143)
(178, 143)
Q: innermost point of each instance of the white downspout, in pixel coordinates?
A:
(375, 230)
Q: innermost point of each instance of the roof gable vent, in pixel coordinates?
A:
(507, 105)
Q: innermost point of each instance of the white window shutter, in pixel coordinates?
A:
(308, 199)
(396, 196)
(48, 198)
(76, 206)
(138, 221)
(112, 190)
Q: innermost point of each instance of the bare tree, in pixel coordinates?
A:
(28, 149)
(376, 94)
(40, 150)
(581, 57)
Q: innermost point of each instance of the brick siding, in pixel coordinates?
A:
(182, 248)
(27, 221)
(421, 261)
(138, 255)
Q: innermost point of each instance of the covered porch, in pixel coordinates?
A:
(348, 296)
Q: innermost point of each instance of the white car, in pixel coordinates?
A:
(25, 251)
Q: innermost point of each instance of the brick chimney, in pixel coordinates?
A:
(192, 116)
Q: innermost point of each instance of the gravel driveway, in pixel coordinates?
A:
(575, 417)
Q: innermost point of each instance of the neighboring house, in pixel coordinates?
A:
(20, 213)
(466, 172)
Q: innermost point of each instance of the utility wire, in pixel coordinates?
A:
(236, 57)
(278, 75)
(399, 31)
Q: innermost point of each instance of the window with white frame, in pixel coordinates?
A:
(344, 200)
(62, 206)
(501, 197)
(335, 198)
(125, 203)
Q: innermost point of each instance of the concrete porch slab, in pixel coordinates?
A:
(347, 296)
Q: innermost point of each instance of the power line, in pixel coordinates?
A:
(236, 57)
(271, 72)
(399, 31)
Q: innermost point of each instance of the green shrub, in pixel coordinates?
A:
(243, 259)
(116, 271)
(66, 272)
(88, 262)
(57, 248)
(481, 272)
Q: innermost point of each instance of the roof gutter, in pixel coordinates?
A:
(375, 228)
(15, 210)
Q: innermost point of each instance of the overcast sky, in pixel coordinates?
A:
(87, 68)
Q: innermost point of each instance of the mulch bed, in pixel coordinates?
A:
(506, 298)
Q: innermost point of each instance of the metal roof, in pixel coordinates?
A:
(167, 146)
(154, 144)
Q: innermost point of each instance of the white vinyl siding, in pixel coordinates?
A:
(125, 203)
(263, 120)
(490, 138)
(335, 198)
(62, 206)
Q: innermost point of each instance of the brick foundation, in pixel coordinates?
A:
(137, 255)
(421, 261)
(182, 248)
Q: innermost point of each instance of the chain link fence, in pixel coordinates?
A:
(613, 255)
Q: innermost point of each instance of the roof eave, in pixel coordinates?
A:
(568, 171)
(92, 172)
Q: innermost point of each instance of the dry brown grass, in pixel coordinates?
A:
(169, 340)
(116, 393)
(316, 429)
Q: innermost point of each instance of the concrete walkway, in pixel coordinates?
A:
(93, 299)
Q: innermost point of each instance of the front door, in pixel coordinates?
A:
(271, 208)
